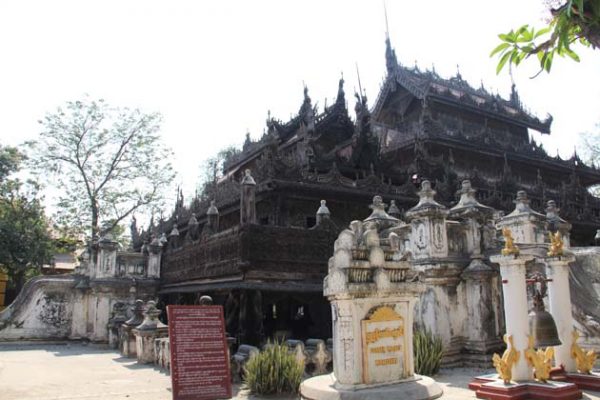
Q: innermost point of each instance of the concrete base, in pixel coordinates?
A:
(323, 387)
(583, 381)
(491, 388)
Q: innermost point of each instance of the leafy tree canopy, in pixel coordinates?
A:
(106, 161)
(25, 243)
(211, 171)
(572, 22)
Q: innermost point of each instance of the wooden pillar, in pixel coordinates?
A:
(250, 329)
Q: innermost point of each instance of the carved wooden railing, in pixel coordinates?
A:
(264, 248)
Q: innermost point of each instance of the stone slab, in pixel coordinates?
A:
(323, 388)
(491, 388)
(583, 381)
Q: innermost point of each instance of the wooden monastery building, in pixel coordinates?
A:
(261, 248)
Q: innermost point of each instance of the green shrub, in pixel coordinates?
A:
(273, 370)
(428, 352)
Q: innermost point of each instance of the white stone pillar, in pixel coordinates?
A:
(154, 256)
(512, 270)
(559, 299)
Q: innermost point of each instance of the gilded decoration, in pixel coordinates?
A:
(384, 344)
(505, 363)
(556, 245)
(385, 314)
(509, 243)
(540, 360)
(584, 360)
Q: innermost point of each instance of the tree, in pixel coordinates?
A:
(107, 162)
(211, 171)
(572, 21)
(25, 243)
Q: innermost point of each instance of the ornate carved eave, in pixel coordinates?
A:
(458, 92)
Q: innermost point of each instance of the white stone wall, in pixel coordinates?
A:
(43, 310)
(53, 308)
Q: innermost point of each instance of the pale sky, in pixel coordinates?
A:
(214, 68)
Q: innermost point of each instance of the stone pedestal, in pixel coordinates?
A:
(483, 337)
(372, 340)
(127, 344)
(147, 332)
(323, 387)
(114, 324)
(372, 311)
(144, 343)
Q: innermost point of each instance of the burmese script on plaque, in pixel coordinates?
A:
(384, 344)
(199, 356)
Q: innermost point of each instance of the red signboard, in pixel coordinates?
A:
(199, 356)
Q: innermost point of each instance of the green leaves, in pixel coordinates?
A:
(108, 162)
(273, 371)
(25, 243)
(428, 351)
(577, 21)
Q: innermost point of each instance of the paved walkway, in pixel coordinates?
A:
(76, 371)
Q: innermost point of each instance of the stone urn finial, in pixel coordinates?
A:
(212, 210)
(393, 210)
(138, 314)
(522, 201)
(151, 321)
(248, 179)
(323, 212)
(379, 216)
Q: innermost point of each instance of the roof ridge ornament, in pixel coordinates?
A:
(391, 62)
(379, 216)
(341, 96)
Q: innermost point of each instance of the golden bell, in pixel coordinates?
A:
(542, 326)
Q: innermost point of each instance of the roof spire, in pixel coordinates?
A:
(391, 62)
(514, 96)
(387, 28)
(358, 76)
(341, 96)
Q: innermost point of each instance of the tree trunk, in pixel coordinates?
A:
(95, 228)
(18, 279)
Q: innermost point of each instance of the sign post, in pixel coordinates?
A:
(199, 354)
